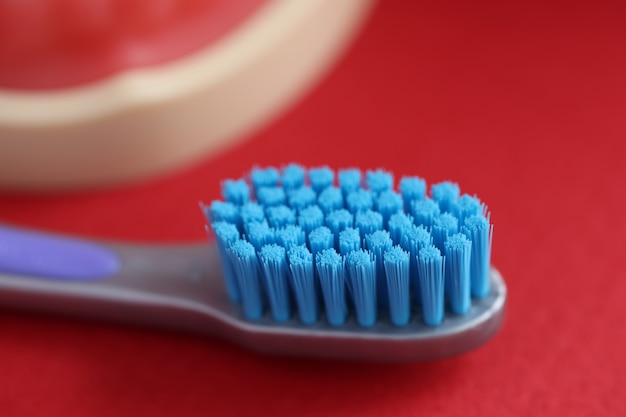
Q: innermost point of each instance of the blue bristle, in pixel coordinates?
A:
(271, 196)
(293, 176)
(349, 180)
(379, 180)
(290, 235)
(368, 222)
(359, 200)
(330, 199)
(302, 281)
(431, 277)
(236, 191)
(331, 272)
(301, 198)
(319, 239)
(246, 267)
(260, 234)
(425, 211)
(412, 189)
(337, 221)
(397, 224)
(264, 177)
(458, 251)
(480, 232)
(414, 239)
(388, 204)
(321, 178)
(275, 275)
(361, 270)
(445, 194)
(378, 243)
(280, 216)
(349, 240)
(466, 206)
(359, 245)
(396, 263)
(226, 234)
(311, 218)
(444, 225)
(251, 213)
(221, 211)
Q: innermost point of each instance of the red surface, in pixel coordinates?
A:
(522, 104)
(50, 44)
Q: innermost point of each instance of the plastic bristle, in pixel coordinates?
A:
(321, 178)
(260, 234)
(355, 245)
(368, 222)
(379, 180)
(425, 211)
(431, 278)
(337, 221)
(290, 235)
(480, 232)
(361, 270)
(302, 280)
(330, 199)
(311, 218)
(388, 204)
(445, 194)
(349, 180)
(378, 243)
(458, 251)
(414, 239)
(271, 196)
(275, 274)
(349, 240)
(466, 206)
(396, 263)
(221, 211)
(280, 216)
(302, 197)
(359, 200)
(226, 234)
(320, 239)
(252, 213)
(412, 189)
(444, 225)
(236, 191)
(398, 223)
(293, 176)
(331, 272)
(246, 267)
(264, 177)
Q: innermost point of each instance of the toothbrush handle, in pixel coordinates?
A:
(174, 286)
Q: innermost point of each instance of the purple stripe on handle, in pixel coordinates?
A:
(51, 257)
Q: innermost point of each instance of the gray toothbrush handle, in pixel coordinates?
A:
(172, 286)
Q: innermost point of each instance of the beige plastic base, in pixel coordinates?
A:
(143, 122)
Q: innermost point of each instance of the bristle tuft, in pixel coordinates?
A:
(330, 268)
(379, 180)
(246, 267)
(431, 277)
(349, 240)
(362, 276)
(302, 280)
(480, 232)
(321, 178)
(275, 274)
(396, 263)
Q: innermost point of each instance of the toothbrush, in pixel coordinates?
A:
(306, 290)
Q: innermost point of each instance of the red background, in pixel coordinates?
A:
(523, 104)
